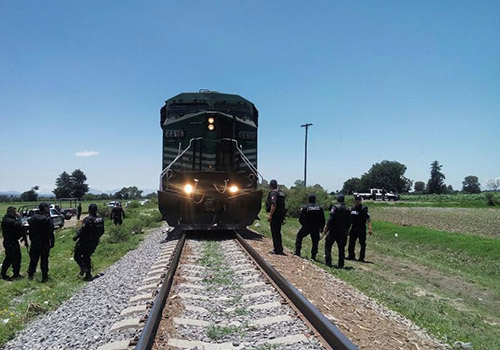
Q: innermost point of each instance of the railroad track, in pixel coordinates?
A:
(227, 297)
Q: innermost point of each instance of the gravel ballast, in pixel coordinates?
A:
(83, 322)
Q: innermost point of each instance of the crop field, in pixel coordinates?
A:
(446, 279)
(482, 222)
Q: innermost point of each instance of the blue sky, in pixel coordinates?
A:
(412, 81)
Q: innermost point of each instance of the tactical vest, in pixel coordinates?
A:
(280, 202)
(95, 228)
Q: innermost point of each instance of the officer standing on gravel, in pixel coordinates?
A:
(12, 231)
(275, 206)
(87, 240)
(79, 211)
(312, 219)
(337, 229)
(42, 238)
(117, 214)
(359, 218)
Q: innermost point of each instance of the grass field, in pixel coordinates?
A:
(21, 301)
(446, 282)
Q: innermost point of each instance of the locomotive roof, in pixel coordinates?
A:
(209, 97)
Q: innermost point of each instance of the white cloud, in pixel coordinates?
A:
(86, 154)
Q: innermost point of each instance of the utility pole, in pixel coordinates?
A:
(306, 125)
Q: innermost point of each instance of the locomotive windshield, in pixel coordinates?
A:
(179, 109)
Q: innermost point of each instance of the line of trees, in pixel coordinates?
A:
(389, 175)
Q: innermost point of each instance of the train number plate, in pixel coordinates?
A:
(247, 135)
(174, 133)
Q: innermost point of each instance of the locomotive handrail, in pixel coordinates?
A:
(164, 171)
(245, 159)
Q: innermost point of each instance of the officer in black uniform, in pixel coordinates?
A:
(275, 206)
(312, 219)
(117, 214)
(337, 229)
(42, 238)
(79, 211)
(12, 232)
(359, 218)
(87, 240)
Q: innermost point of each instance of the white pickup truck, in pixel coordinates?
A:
(377, 193)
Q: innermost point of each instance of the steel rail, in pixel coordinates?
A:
(148, 333)
(331, 334)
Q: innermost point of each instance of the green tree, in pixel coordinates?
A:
(419, 186)
(352, 185)
(493, 184)
(436, 182)
(471, 184)
(298, 183)
(78, 186)
(449, 189)
(388, 175)
(63, 186)
(31, 195)
(128, 193)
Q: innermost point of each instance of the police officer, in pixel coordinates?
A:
(41, 234)
(275, 206)
(312, 219)
(12, 232)
(79, 211)
(337, 229)
(359, 218)
(87, 240)
(117, 214)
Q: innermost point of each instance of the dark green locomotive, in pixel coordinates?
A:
(209, 178)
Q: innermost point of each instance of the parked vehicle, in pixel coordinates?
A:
(68, 213)
(378, 194)
(27, 211)
(112, 204)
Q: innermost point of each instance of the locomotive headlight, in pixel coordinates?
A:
(233, 189)
(188, 188)
(211, 120)
(211, 127)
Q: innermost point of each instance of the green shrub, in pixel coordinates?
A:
(133, 204)
(104, 211)
(297, 196)
(118, 233)
(135, 226)
(490, 199)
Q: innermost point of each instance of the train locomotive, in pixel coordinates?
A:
(209, 178)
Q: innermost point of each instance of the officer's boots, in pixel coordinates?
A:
(45, 278)
(88, 276)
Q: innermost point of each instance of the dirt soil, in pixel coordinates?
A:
(368, 324)
(479, 221)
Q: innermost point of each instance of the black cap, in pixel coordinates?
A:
(42, 206)
(273, 184)
(92, 208)
(312, 198)
(357, 197)
(340, 198)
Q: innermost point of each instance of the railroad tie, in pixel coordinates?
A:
(195, 344)
(134, 309)
(117, 345)
(149, 287)
(135, 323)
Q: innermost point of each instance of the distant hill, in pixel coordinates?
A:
(10, 193)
